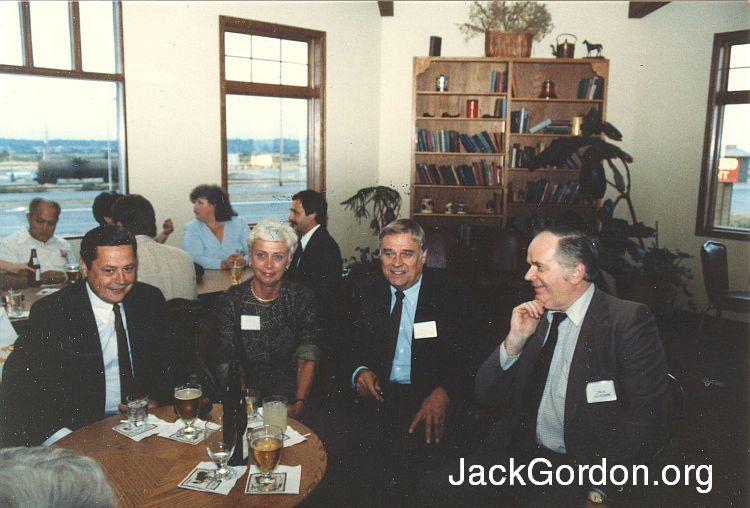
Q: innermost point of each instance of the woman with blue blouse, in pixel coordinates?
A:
(217, 238)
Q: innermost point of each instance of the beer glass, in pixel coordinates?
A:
(73, 272)
(220, 447)
(15, 303)
(187, 404)
(274, 411)
(266, 443)
(235, 272)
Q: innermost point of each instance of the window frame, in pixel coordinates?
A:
(718, 97)
(28, 68)
(314, 92)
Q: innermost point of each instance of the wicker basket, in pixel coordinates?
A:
(516, 44)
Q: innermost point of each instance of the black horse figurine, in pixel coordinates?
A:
(593, 47)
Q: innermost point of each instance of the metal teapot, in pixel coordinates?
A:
(565, 49)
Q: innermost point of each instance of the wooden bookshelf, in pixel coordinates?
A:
(434, 117)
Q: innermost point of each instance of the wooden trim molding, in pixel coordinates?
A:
(642, 9)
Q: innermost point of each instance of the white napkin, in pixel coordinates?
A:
(168, 430)
(151, 427)
(198, 479)
(287, 477)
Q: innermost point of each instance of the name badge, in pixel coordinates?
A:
(425, 330)
(600, 391)
(250, 322)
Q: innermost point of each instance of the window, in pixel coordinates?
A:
(272, 82)
(724, 200)
(61, 103)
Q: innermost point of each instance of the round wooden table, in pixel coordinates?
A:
(147, 473)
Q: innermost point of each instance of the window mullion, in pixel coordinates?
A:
(75, 36)
(28, 53)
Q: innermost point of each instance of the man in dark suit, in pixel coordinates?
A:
(317, 261)
(317, 265)
(88, 346)
(411, 328)
(582, 376)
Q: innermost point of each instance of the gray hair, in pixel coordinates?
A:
(401, 226)
(573, 247)
(273, 230)
(52, 477)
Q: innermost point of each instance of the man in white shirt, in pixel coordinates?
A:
(53, 251)
(168, 268)
(88, 346)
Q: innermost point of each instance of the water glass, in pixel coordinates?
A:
(220, 447)
(137, 404)
(73, 272)
(274, 411)
(15, 303)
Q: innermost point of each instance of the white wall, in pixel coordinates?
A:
(173, 98)
(659, 68)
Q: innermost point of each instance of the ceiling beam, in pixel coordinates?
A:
(643, 9)
(386, 8)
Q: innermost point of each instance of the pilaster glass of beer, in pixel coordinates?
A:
(187, 404)
(235, 272)
(274, 411)
(266, 442)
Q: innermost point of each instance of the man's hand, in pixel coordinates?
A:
(367, 385)
(295, 409)
(432, 412)
(167, 228)
(523, 323)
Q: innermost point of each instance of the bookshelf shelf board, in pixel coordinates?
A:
(527, 171)
(459, 119)
(559, 101)
(555, 205)
(434, 186)
(459, 215)
(541, 134)
(465, 94)
(462, 154)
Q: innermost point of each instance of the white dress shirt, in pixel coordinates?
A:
(52, 254)
(550, 423)
(105, 324)
(306, 237)
(7, 338)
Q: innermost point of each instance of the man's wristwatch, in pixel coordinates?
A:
(596, 496)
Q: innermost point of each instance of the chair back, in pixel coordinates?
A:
(441, 248)
(715, 271)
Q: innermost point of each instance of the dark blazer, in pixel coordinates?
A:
(319, 268)
(619, 341)
(440, 361)
(55, 376)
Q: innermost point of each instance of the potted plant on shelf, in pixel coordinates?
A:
(652, 275)
(508, 27)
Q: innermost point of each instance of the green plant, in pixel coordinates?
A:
(500, 16)
(385, 201)
(623, 249)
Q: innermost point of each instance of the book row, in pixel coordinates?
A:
(480, 172)
(452, 141)
(591, 88)
(544, 192)
(498, 82)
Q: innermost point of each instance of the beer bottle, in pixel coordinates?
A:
(35, 277)
(235, 414)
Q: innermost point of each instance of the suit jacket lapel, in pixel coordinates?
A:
(90, 343)
(595, 327)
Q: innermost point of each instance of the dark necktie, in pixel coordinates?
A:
(535, 387)
(297, 256)
(123, 355)
(395, 322)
